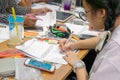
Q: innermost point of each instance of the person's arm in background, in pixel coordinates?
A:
(25, 3)
(18, 9)
(28, 3)
(6, 11)
(23, 10)
(81, 44)
(36, 1)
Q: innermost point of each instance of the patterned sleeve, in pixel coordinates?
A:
(19, 9)
(3, 18)
(11, 3)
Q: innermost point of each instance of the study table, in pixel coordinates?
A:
(59, 74)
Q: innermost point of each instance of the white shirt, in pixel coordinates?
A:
(107, 63)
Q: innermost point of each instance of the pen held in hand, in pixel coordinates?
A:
(69, 38)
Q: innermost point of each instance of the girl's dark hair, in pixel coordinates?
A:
(112, 8)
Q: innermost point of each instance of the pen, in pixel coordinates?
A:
(69, 38)
(31, 16)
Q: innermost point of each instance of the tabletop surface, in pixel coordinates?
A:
(59, 74)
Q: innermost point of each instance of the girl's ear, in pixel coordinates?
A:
(101, 13)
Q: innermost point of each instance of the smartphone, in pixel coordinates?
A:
(40, 65)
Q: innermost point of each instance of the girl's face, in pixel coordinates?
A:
(97, 18)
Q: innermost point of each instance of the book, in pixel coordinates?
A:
(41, 50)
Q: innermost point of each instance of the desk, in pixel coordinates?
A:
(59, 74)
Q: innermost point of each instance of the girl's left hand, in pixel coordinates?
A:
(71, 57)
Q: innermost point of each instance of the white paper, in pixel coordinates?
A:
(43, 51)
(81, 29)
(41, 5)
(77, 29)
(4, 33)
(46, 20)
(92, 33)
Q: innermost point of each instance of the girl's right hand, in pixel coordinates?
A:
(66, 47)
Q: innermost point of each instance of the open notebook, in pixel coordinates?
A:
(41, 50)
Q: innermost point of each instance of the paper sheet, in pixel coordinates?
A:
(41, 5)
(4, 32)
(77, 29)
(46, 20)
(81, 30)
(42, 51)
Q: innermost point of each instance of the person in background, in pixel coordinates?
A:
(106, 65)
(5, 11)
(28, 3)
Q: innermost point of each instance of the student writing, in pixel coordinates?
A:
(106, 65)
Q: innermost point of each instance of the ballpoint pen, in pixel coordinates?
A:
(69, 38)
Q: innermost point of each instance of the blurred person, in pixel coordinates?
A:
(28, 3)
(5, 11)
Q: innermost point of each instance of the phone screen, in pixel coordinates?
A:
(40, 64)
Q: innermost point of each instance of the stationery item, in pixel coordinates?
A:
(60, 30)
(34, 17)
(7, 67)
(42, 51)
(31, 33)
(82, 30)
(70, 36)
(52, 41)
(23, 72)
(11, 53)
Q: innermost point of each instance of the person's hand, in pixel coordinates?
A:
(71, 57)
(29, 21)
(40, 11)
(66, 47)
